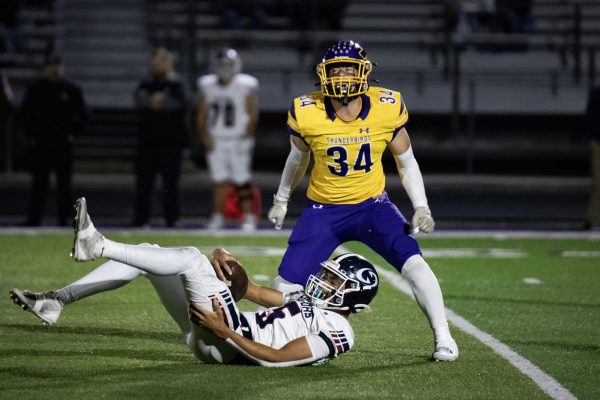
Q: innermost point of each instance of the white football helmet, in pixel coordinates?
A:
(227, 64)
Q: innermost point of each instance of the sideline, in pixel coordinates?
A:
(547, 383)
(262, 232)
(266, 232)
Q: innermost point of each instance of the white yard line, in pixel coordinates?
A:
(547, 383)
(578, 253)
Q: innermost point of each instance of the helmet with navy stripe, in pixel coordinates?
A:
(345, 53)
(346, 283)
(227, 64)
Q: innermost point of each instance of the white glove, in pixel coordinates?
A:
(277, 212)
(422, 221)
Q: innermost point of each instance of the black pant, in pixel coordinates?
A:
(44, 159)
(152, 160)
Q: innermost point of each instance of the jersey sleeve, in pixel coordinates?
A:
(292, 123)
(201, 87)
(320, 354)
(253, 85)
(337, 342)
(402, 117)
(321, 347)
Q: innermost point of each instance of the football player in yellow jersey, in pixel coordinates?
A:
(346, 126)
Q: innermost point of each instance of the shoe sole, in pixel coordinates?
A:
(444, 357)
(19, 299)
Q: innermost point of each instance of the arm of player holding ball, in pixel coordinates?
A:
(257, 294)
(295, 352)
(412, 180)
(293, 172)
(219, 258)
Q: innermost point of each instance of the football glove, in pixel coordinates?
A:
(277, 212)
(422, 221)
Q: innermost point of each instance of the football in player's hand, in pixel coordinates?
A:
(237, 281)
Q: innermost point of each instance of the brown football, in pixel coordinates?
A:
(238, 280)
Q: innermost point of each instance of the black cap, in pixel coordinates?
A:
(53, 59)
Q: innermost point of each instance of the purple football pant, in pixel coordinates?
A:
(321, 228)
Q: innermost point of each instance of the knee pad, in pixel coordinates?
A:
(415, 267)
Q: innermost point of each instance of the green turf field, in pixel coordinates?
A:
(527, 293)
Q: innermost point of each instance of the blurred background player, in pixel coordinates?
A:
(226, 122)
(347, 126)
(161, 102)
(53, 113)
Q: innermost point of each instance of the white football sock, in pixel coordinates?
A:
(155, 260)
(199, 277)
(108, 276)
(428, 294)
(172, 295)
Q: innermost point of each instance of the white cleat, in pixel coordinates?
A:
(217, 221)
(87, 238)
(45, 306)
(445, 350)
(249, 224)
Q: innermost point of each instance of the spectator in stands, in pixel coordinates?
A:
(452, 15)
(226, 120)
(235, 11)
(44, 6)
(53, 114)
(515, 15)
(476, 16)
(161, 101)
(592, 129)
(315, 14)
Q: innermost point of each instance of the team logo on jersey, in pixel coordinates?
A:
(363, 130)
(367, 276)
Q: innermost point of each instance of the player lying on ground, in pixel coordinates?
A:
(302, 328)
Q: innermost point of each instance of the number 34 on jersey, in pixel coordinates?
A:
(347, 155)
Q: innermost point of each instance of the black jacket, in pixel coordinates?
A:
(592, 115)
(166, 126)
(53, 112)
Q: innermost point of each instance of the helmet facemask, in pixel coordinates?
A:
(344, 87)
(327, 288)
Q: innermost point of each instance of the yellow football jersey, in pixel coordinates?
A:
(347, 155)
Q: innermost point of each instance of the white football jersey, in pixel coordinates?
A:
(328, 333)
(226, 105)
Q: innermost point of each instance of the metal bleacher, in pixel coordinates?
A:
(481, 103)
(36, 34)
(411, 41)
(452, 77)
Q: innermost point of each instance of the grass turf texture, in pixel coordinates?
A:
(123, 344)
